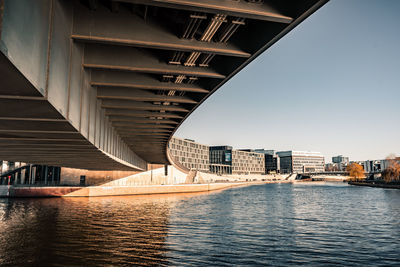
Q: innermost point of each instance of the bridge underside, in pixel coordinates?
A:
(105, 84)
(33, 131)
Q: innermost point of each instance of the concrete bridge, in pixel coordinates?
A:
(104, 84)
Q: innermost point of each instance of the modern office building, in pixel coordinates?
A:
(225, 160)
(331, 167)
(221, 159)
(373, 165)
(341, 162)
(247, 161)
(385, 163)
(301, 161)
(272, 161)
(190, 154)
(340, 159)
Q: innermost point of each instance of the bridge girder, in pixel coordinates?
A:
(127, 29)
(131, 59)
(139, 81)
(108, 82)
(231, 8)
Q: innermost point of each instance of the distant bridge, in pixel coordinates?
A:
(336, 173)
(105, 84)
(343, 173)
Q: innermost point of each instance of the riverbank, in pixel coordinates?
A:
(326, 179)
(380, 185)
(155, 181)
(102, 191)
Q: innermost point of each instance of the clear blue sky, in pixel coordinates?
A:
(331, 85)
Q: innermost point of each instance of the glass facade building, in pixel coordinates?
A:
(221, 159)
(272, 161)
(341, 162)
(301, 162)
(225, 160)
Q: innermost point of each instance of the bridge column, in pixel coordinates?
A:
(33, 175)
(46, 173)
(166, 170)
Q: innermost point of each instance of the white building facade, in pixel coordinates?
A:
(190, 154)
(244, 162)
(301, 162)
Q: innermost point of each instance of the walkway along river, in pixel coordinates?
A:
(279, 224)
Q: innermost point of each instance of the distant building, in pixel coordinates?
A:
(3, 166)
(190, 154)
(373, 166)
(301, 161)
(221, 159)
(20, 173)
(272, 161)
(332, 167)
(225, 160)
(341, 162)
(359, 162)
(247, 162)
(370, 165)
(385, 163)
(6, 166)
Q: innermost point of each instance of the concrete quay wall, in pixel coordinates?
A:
(35, 191)
(149, 182)
(257, 177)
(106, 191)
(152, 177)
(47, 191)
(99, 191)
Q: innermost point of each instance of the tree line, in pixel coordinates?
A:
(390, 174)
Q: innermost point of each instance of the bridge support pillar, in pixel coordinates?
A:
(166, 170)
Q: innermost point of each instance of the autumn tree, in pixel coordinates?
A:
(356, 171)
(392, 172)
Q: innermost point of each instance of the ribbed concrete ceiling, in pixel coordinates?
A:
(152, 62)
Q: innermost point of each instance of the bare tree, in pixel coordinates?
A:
(392, 172)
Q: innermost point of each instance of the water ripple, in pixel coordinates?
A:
(273, 224)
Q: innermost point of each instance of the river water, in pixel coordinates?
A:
(274, 224)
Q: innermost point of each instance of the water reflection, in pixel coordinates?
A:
(77, 231)
(275, 224)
